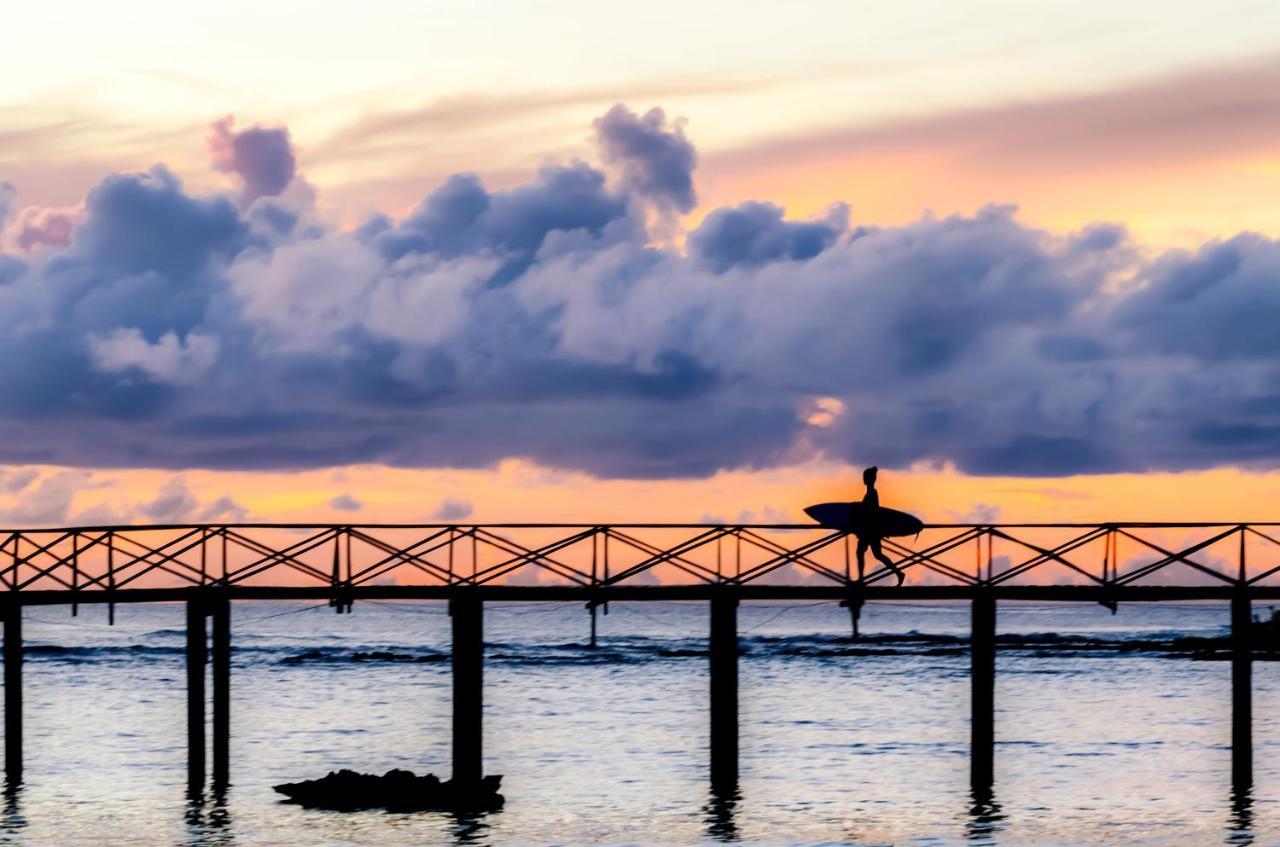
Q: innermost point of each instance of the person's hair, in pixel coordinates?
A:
(869, 474)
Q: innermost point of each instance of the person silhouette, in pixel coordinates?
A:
(867, 529)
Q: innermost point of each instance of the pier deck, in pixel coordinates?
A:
(209, 567)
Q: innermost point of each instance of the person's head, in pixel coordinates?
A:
(869, 475)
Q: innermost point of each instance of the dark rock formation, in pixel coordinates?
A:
(395, 791)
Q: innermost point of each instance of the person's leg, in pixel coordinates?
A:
(886, 561)
(862, 559)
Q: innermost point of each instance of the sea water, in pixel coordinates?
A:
(841, 742)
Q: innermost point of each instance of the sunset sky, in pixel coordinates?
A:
(553, 260)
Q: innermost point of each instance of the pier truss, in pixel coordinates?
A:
(207, 567)
(599, 561)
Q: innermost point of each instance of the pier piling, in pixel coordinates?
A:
(724, 691)
(13, 695)
(467, 613)
(982, 698)
(197, 658)
(1241, 692)
(220, 612)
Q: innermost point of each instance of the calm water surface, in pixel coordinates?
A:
(841, 744)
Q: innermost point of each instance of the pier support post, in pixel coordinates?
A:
(467, 613)
(220, 611)
(983, 682)
(724, 692)
(13, 695)
(197, 658)
(854, 603)
(1241, 691)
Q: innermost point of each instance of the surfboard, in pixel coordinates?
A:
(858, 519)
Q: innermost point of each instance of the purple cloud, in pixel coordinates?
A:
(262, 157)
(34, 228)
(655, 158)
(540, 321)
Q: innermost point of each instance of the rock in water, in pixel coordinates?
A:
(395, 791)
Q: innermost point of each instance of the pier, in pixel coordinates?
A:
(210, 568)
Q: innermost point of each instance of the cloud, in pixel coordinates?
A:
(655, 158)
(978, 513)
(171, 504)
(48, 502)
(545, 322)
(14, 480)
(346, 503)
(755, 234)
(35, 227)
(169, 360)
(224, 509)
(176, 503)
(452, 509)
(8, 193)
(262, 157)
(464, 117)
(1193, 115)
(51, 498)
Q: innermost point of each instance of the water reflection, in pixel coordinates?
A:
(11, 819)
(1240, 827)
(469, 827)
(720, 813)
(208, 821)
(985, 816)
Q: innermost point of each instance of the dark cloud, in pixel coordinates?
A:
(562, 205)
(758, 233)
(655, 158)
(262, 157)
(541, 321)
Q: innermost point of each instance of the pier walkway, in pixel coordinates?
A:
(209, 567)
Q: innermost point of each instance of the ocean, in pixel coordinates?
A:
(1107, 732)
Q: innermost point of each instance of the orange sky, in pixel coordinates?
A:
(517, 490)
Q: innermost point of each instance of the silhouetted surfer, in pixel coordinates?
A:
(869, 534)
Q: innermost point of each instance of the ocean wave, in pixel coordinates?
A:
(629, 650)
(331, 655)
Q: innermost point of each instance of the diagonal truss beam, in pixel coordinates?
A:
(106, 559)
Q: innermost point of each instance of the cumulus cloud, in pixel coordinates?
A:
(452, 509)
(655, 158)
(223, 509)
(33, 228)
(175, 502)
(169, 360)
(29, 497)
(47, 502)
(544, 321)
(262, 158)
(757, 233)
(172, 503)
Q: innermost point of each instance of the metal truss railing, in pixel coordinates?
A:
(343, 557)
